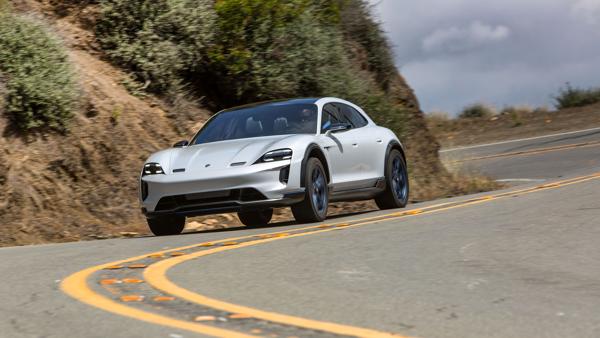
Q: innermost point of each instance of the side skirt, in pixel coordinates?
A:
(374, 188)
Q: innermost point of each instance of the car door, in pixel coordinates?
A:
(338, 145)
(368, 148)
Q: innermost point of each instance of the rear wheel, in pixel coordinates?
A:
(166, 225)
(314, 206)
(396, 179)
(255, 218)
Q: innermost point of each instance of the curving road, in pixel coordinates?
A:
(522, 262)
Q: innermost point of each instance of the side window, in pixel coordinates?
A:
(332, 114)
(354, 116)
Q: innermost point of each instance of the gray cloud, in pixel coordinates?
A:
(588, 10)
(456, 52)
(457, 39)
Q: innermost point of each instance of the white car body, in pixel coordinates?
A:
(223, 176)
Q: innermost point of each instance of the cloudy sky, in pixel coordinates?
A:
(501, 52)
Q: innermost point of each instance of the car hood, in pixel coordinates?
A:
(221, 155)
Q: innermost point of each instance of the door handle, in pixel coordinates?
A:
(355, 144)
(379, 141)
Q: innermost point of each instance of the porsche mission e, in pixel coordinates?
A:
(301, 153)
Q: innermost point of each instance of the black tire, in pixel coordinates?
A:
(396, 183)
(255, 218)
(166, 225)
(316, 196)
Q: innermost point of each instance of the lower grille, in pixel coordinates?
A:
(224, 197)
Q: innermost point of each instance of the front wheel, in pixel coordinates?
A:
(166, 225)
(396, 179)
(316, 196)
(255, 218)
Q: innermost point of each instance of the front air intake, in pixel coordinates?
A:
(209, 199)
(284, 174)
(144, 190)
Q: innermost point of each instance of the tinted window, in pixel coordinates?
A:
(264, 120)
(353, 115)
(332, 114)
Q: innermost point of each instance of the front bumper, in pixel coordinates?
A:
(197, 208)
(218, 191)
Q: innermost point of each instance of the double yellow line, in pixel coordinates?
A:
(155, 274)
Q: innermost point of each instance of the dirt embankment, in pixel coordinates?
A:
(83, 185)
(467, 131)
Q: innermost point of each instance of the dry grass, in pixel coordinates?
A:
(478, 111)
(513, 122)
(474, 183)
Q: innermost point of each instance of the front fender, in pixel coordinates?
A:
(315, 150)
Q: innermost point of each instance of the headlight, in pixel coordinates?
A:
(152, 169)
(276, 155)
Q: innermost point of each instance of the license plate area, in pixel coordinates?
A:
(208, 195)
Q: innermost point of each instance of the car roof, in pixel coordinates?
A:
(306, 100)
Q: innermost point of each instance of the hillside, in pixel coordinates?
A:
(521, 124)
(82, 184)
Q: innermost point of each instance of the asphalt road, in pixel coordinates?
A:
(522, 262)
(531, 160)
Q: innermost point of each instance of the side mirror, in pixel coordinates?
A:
(337, 127)
(181, 144)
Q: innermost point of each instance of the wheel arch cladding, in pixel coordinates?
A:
(395, 145)
(313, 150)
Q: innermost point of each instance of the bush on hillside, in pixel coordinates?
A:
(4, 5)
(516, 113)
(569, 97)
(239, 51)
(271, 49)
(359, 26)
(2, 94)
(476, 110)
(40, 89)
(162, 42)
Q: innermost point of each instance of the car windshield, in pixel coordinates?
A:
(264, 120)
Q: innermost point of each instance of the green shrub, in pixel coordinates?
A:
(4, 6)
(40, 89)
(239, 51)
(576, 97)
(476, 110)
(2, 94)
(160, 41)
(272, 49)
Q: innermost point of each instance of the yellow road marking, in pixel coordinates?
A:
(163, 298)
(109, 281)
(132, 281)
(157, 278)
(132, 298)
(77, 287)
(531, 152)
(239, 316)
(156, 274)
(114, 267)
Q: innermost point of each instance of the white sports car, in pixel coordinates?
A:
(302, 153)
